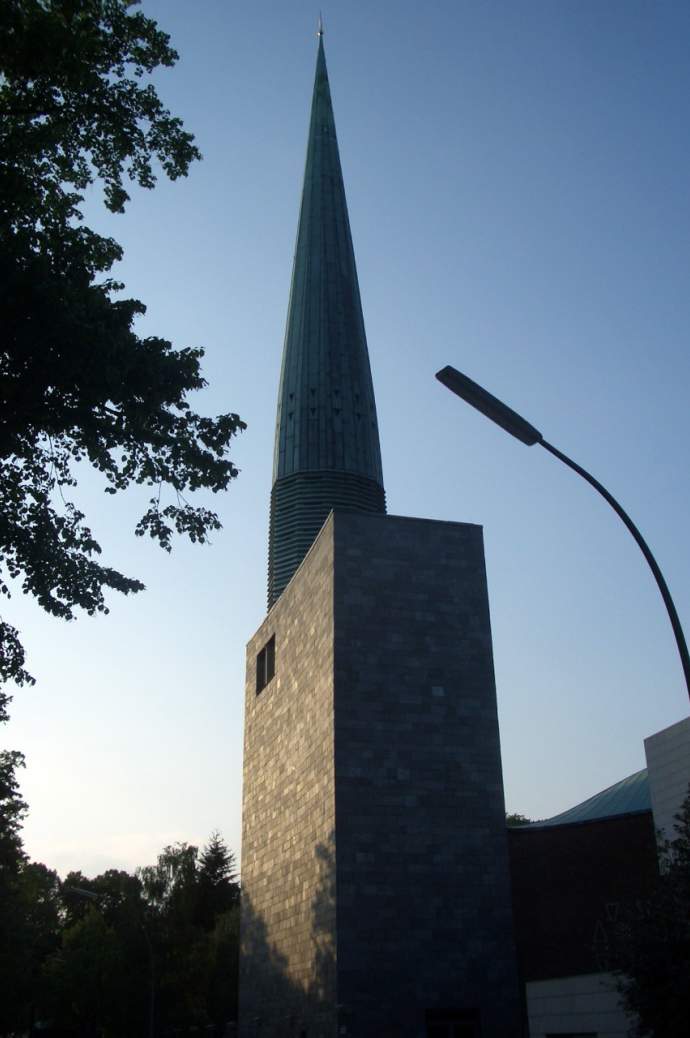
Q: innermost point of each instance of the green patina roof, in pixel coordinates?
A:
(627, 797)
(326, 411)
(327, 452)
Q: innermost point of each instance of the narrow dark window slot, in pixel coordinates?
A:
(266, 664)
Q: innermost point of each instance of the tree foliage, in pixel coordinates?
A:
(195, 904)
(218, 887)
(654, 980)
(100, 955)
(77, 384)
(513, 818)
(29, 908)
(97, 978)
(12, 811)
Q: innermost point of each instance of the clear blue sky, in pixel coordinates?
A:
(517, 178)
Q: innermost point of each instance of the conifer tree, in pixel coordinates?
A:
(219, 890)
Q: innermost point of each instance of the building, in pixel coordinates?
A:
(382, 894)
(577, 877)
(375, 868)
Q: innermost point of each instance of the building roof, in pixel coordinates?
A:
(629, 796)
(326, 417)
(327, 452)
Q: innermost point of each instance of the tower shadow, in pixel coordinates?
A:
(281, 996)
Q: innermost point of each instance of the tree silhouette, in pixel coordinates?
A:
(77, 384)
(654, 980)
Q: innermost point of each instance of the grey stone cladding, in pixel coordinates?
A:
(375, 868)
(287, 981)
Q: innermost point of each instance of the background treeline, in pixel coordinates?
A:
(120, 954)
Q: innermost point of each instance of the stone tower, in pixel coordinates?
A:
(375, 876)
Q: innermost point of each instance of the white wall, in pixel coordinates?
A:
(668, 764)
(587, 1004)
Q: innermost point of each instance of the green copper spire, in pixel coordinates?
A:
(327, 452)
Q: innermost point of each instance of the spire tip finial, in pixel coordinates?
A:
(319, 28)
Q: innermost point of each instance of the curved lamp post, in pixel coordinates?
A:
(517, 426)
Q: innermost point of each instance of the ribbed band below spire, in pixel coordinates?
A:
(300, 505)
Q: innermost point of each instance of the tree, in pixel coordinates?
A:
(170, 885)
(171, 888)
(218, 913)
(112, 953)
(513, 819)
(12, 857)
(12, 811)
(101, 976)
(85, 978)
(217, 865)
(654, 980)
(195, 898)
(29, 908)
(34, 938)
(219, 890)
(77, 384)
(222, 992)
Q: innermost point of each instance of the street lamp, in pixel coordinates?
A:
(517, 426)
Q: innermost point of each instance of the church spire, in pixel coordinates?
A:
(327, 452)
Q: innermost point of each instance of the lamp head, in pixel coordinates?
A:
(494, 409)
